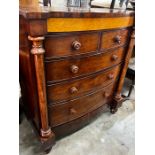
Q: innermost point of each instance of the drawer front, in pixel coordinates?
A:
(71, 68)
(113, 39)
(70, 44)
(62, 113)
(72, 89)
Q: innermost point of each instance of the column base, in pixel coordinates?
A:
(116, 103)
(47, 142)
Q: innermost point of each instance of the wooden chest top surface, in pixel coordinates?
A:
(69, 12)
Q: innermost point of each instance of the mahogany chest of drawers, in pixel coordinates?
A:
(72, 66)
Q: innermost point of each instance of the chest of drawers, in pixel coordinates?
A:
(72, 66)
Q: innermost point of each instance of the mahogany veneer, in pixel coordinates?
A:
(68, 90)
(112, 39)
(67, 111)
(72, 66)
(70, 44)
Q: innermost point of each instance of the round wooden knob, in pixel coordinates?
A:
(110, 76)
(76, 45)
(74, 69)
(114, 57)
(106, 94)
(72, 111)
(117, 39)
(73, 90)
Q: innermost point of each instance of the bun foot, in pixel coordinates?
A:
(116, 103)
(47, 143)
(47, 150)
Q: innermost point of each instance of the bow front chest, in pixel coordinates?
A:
(72, 66)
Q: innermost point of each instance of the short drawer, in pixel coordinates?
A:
(70, 44)
(68, 111)
(72, 89)
(113, 39)
(59, 70)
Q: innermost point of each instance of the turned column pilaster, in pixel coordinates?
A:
(38, 55)
(117, 100)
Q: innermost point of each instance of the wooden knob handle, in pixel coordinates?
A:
(114, 57)
(110, 76)
(72, 111)
(106, 94)
(74, 69)
(117, 39)
(76, 45)
(73, 90)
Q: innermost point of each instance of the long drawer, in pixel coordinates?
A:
(69, 90)
(62, 113)
(75, 67)
(70, 44)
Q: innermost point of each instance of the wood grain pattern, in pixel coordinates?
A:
(61, 70)
(29, 3)
(127, 58)
(41, 90)
(23, 41)
(26, 75)
(68, 12)
(76, 124)
(86, 24)
(118, 99)
(63, 91)
(37, 28)
(62, 44)
(38, 54)
(109, 39)
(61, 113)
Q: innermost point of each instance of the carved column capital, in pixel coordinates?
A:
(37, 47)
